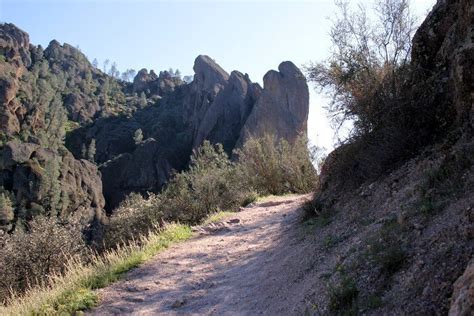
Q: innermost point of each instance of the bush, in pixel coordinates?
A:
(135, 217)
(28, 257)
(272, 166)
(372, 83)
(212, 183)
(343, 298)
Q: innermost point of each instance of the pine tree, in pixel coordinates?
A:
(138, 136)
(91, 151)
(6, 209)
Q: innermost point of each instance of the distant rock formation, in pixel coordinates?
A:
(214, 106)
(282, 109)
(102, 115)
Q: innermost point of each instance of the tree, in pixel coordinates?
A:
(95, 63)
(114, 72)
(91, 151)
(128, 75)
(83, 151)
(6, 209)
(142, 102)
(365, 73)
(106, 65)
(52, 187)
(138, 136)
(177, 74)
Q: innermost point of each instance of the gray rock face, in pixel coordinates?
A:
(443, 52)
(139, 171)
(283, 107)
(209, 76)
(225, 117)
(80, 108)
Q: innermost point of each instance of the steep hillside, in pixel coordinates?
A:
(399, 232)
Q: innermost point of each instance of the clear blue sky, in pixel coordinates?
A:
(249, 36)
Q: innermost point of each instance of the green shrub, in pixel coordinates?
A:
(273, 166)
(135, 217)
(386, 248)
(212, 183)
(343, 298)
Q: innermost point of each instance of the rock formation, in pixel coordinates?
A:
(104, 114)
(443, 51)
(214, 106)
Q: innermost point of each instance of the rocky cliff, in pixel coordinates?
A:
(137, 134)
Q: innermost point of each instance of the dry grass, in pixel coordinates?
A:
(74, 290)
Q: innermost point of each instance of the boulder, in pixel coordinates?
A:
(80, 109)
(15, 153)
(443, 53)
(208, 75)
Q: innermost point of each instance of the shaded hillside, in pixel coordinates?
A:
(394, 212)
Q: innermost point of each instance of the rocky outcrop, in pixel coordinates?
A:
(14, 45)
(226, 116)
(31, 173)
(462, 301)
(215, 106)
(282, 109)
(171, 117)
(142, 170)
(14, 49)
(443, 52)
(151, 84)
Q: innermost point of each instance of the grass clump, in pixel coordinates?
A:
(343, 298)
(217, 217)
(73, 290)
(386, 249)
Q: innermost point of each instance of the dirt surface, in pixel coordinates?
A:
(244, 265)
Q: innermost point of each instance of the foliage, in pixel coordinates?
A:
(272, 166)
(372, 84)
(210, 184)
(343, 298)
(386, 249)
(6, 208)
(364, 74)
(28, 257)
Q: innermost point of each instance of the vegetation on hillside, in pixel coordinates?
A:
(370, 79)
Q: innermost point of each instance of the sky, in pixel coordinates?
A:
(250, 36)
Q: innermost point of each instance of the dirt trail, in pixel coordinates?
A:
(246, 265)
